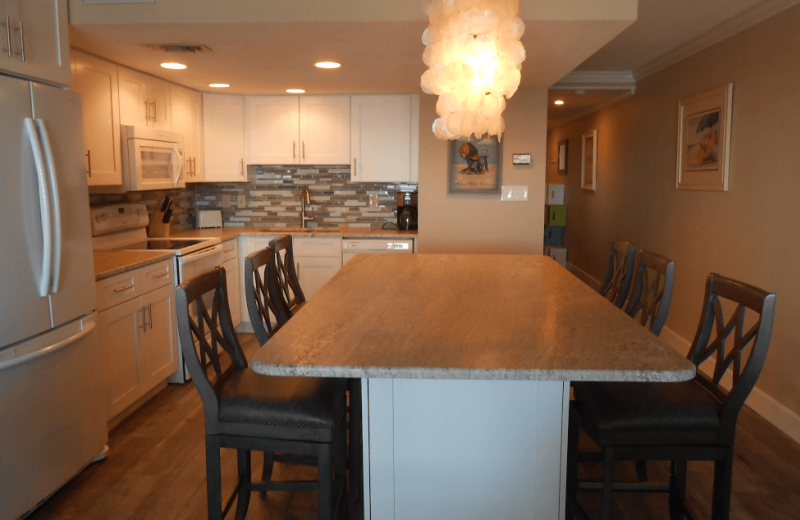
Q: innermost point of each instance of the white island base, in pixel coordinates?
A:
(447, 449)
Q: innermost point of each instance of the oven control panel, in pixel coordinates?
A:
(118, 217)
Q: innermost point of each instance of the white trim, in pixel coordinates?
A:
(763, 404)
(742, 20)
(594, 80)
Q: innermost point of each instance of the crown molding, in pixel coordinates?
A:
(722, 31)
(594, 80)
(624, 95)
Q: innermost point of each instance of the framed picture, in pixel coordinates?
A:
(563, 147)
(704, 138)
(589, 161)
(475, 166)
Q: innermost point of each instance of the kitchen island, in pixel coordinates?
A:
(465, 363)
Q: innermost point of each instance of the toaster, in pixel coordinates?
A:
(209, 219)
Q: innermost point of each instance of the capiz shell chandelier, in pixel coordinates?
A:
(474, 55)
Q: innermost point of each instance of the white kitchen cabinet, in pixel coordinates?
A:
(158, 355)
(187, 119)
(384, 138)
(230, 257)
(223, 136)
(297, 130)
(122, 335)
(39, 39)
(143, 100)
(316, 261)
(95, 80)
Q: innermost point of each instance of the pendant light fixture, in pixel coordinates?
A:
(474, 55)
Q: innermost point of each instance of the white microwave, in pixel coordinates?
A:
(151, 159)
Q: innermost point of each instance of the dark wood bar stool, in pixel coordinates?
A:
(284, 286)
(617, 282)
(246, 411)
(691, 420)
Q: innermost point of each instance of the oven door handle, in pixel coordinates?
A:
(193, 257)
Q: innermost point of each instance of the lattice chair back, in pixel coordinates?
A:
(617, 283)
(259, 267)
(204, 356)
(651, 296)
(284, 287)
(746, 367)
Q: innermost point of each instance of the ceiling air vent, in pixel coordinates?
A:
(177, 47)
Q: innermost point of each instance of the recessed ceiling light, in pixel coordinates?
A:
(295, 91)
(559, 102)
(218, 85)
(328, 65)
(176, 66)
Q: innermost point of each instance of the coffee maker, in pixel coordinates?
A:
(407, 211)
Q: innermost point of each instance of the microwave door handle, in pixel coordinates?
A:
(177, 165)
(56, 204)
(44, 206)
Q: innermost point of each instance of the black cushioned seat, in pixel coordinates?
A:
(293, 408)
(683, 412)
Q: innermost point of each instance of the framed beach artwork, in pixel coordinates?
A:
(475, 165)
(589, 161)
(563, 148)
(704, 137)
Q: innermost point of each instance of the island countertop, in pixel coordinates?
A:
(440, 316)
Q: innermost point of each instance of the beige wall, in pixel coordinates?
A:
(750, 232)
(458, 223)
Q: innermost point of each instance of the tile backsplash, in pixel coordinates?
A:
(272, 198)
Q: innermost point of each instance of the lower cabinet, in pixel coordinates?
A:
(314, 272)
(138, 336)
(230, 257)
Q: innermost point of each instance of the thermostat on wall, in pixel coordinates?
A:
(521, 158)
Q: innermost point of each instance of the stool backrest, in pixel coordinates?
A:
(207, 295)
(617, 283)
(757, 337)
(653, 276)
(259, 269)
(285, 288)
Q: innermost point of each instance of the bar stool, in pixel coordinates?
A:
(284, 285)
(246, 411)
(617, 283)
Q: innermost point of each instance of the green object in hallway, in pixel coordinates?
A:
(556, 215)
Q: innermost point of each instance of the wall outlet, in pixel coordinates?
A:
(514, 193)
(241, 201)
(226, 201)
(373, 201)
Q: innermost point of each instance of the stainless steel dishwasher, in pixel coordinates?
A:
(351, 248)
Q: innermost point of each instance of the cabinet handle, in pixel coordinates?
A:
(194, 166)
(353, 173)
(21, 52)
(298, 270)
(162, 275)
(144, 323)
(7, 25)
(241, 166)
(293, 150)
(304, 149)
(89, 161)
(227, 250)
(122, 289)
(150, 311)
(146, 110)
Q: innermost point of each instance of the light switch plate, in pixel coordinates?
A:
(373, 201)
(226, 201)
(241, 201)
(514, 193)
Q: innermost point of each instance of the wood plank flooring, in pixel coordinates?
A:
(156, 470)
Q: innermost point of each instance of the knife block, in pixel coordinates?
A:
(156, 228)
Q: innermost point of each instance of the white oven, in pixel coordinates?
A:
(152, 159)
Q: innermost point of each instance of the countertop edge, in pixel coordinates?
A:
(123, 266)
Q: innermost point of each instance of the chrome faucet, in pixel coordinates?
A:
(305, 198)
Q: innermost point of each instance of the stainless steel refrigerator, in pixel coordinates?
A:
(52, 415)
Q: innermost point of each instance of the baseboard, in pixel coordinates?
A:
(763, 404)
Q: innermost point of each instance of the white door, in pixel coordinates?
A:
(96, 82)
(122, 336)
(134, 107)
(40, 28)
(380, 138)
(223, 138)
(314, 272)
(325, 130)
(185, 110)
(158, 97)
(272, 130)
(159, 357)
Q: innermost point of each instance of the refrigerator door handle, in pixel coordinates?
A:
(44, 207)
(52, 348)
(56, 204)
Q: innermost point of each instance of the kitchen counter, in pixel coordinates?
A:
(110, 263)
(227, 233)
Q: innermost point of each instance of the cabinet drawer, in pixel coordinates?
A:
(230, 249)
(118, 289)
(317, 246)
(157, 275)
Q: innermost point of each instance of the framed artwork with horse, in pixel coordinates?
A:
(475, 165)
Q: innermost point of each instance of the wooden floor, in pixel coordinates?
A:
(156, 470)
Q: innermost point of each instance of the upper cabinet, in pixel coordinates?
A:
(187, 119)
(297, 130)
(384, 138)
(144, 100)
(223, 138)
(34, 38)
(96, 82)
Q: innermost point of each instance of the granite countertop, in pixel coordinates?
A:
(436, 316)
(228, 233)
(109, 263)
